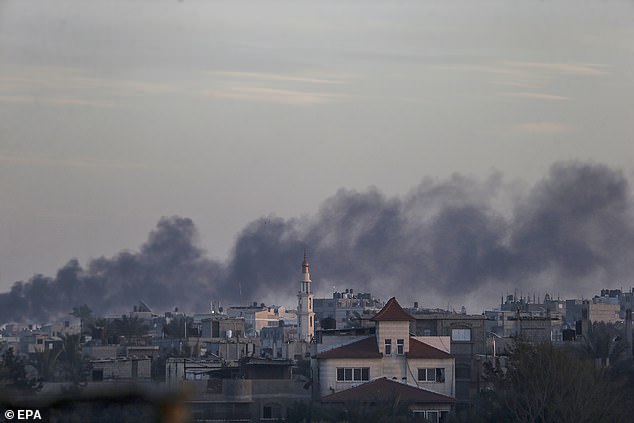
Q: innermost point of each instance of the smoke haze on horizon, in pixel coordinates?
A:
(458, 240)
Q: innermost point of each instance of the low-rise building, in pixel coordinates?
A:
(344, 309)
(465, 337)
(390, 353)
(256, 390)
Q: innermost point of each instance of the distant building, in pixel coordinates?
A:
(256, 390)
(121, 369)
(467, 340)
(345, 309)
(281, 342)
(260, 316)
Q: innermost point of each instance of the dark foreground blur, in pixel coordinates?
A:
(122, 406)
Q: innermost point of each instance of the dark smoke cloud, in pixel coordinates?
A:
(169, 269)
(572, 232)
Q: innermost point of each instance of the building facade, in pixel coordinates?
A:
(390, 353)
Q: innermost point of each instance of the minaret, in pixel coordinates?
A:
(305, 314)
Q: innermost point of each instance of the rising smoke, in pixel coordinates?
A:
(571, 233)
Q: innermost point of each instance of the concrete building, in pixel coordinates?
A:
(345, 309)
(257, 390)
(424, 405)
(532, 327)
(390, 353)
(130, 369)
(596, 310)
(466, 335)
(260, 316)
(223, 326)
(281, 342)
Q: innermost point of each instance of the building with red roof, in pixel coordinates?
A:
(389, 358)
(429, 406)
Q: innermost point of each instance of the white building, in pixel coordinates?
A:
(391, 353)
(423, 369)
(305, 313)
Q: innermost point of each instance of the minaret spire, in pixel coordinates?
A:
(305, 313)
(305, 268)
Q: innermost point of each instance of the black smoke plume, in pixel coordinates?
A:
(571, 233)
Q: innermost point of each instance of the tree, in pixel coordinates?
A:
(84, 314)
(129, 328)
(605, 343)
(101, 329)
(73, 364)
(543, 383)
(47, 361)
(13, 376)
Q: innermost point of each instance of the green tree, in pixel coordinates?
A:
(84, 314)
(13, 376)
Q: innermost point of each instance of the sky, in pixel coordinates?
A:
(116, 113)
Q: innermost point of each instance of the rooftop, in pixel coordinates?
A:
(364, 348)
(418, 349)
(392, 312)
(383, 389)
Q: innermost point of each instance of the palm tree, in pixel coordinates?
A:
(84, 314)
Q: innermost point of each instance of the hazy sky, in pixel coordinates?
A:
(115, 113)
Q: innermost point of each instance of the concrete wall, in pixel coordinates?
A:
(328, 373)
(446, 388)
(124, 368)
(393, 331)
(404, 371)
(608, 313)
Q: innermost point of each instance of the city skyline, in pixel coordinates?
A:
(446, 121)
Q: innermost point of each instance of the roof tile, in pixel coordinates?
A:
(392, 312)
(383, 389)
(364, 348)
(418, 349)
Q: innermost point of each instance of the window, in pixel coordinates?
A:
(431, 374)
(430, 416)
(388, 347)
(272, 411)
(400, 346)
(353, 374)
(461, 335)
